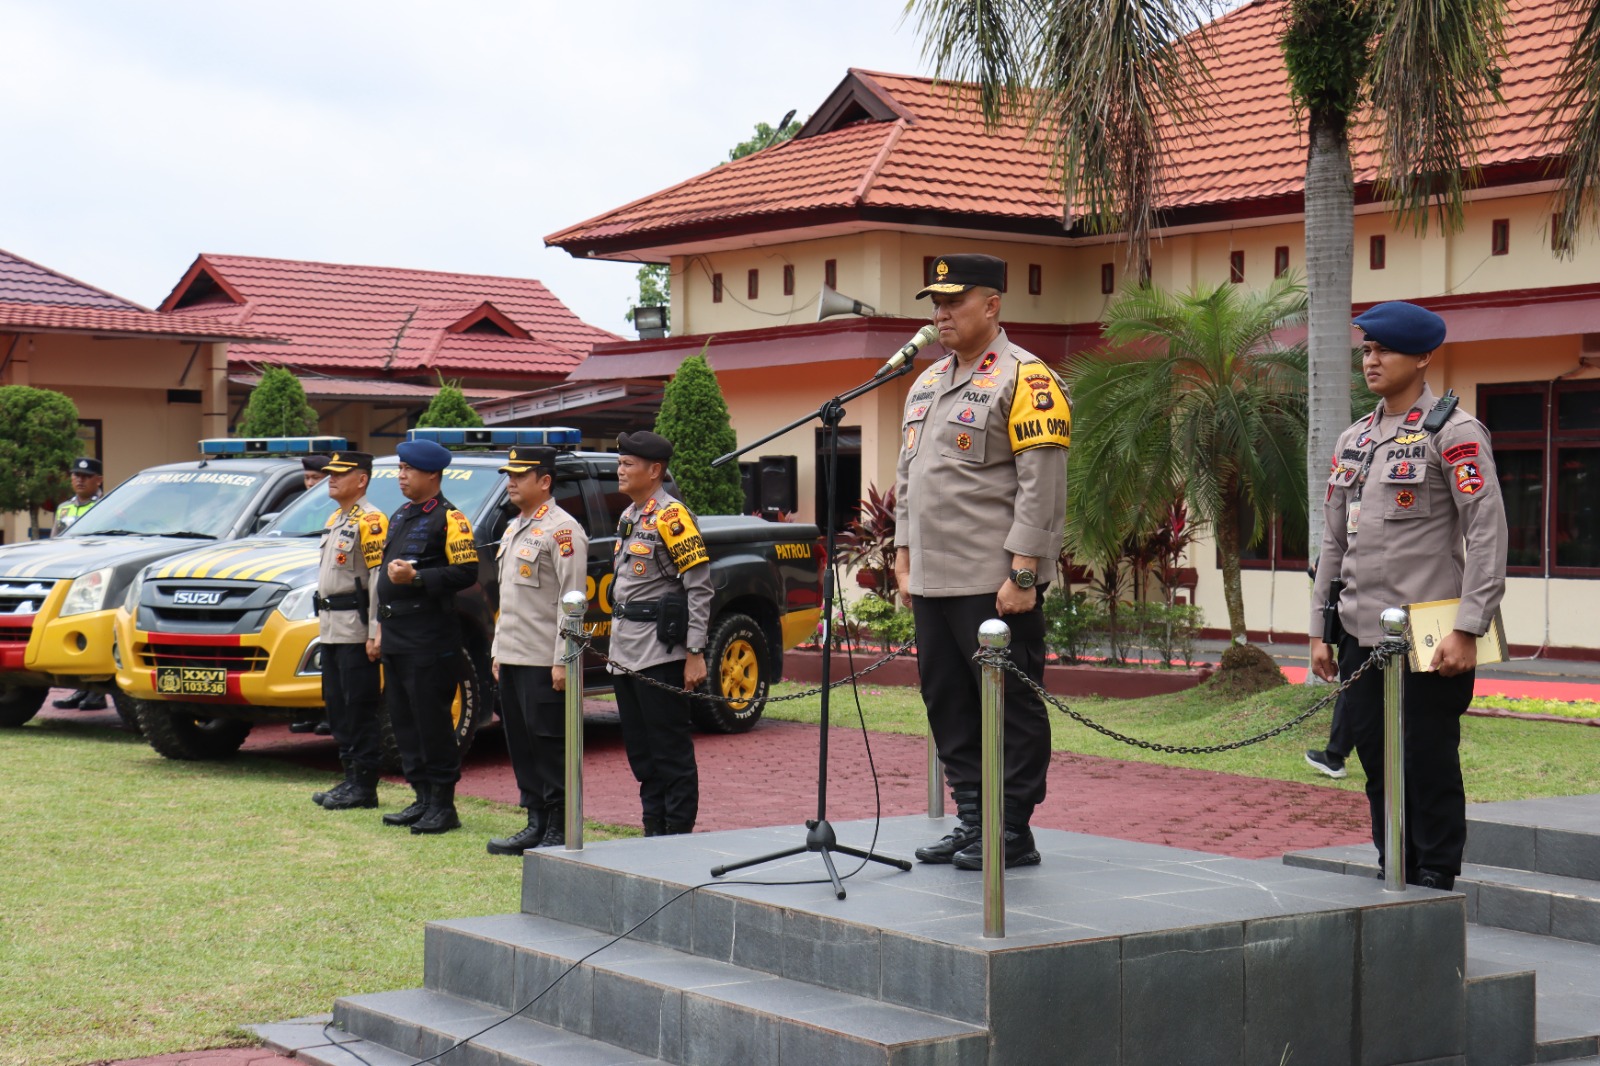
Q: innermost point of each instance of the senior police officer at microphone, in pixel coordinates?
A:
(1413, 513)
(981, 492)
(346, 602)
(662, 608)
(430, 556)
(543, 555)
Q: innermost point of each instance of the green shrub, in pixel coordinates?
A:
(885, 623)
(277, 407)
(1072, 625)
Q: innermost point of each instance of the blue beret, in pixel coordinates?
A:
(1403, 327)
(424, 455)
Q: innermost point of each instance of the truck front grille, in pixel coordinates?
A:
(241, 659)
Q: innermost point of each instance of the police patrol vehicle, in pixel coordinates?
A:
(58, 596)
(224, 636)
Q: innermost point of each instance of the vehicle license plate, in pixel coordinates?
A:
(192, 680)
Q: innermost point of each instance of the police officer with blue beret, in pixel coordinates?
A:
(429, 557)
(1413, 513)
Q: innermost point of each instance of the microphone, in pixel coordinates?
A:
(925, 336)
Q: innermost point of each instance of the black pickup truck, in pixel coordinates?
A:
(216, 639)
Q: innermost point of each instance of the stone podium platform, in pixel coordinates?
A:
(1115, 953)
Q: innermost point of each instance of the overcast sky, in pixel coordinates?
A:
(452, 135)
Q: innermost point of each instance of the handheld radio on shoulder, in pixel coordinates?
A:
(1441, 412)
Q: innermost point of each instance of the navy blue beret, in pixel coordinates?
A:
(1403, 327)
(424, 455)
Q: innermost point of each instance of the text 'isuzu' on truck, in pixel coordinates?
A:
(57, 596)
(220, 637)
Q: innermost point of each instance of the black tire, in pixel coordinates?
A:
(19, 703)
(126, 710)
(182, 730)
(738, 663)
(468, 710)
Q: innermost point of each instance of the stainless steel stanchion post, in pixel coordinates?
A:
(1394, 756)
(994, 635)
(572, 608)
(935, 781)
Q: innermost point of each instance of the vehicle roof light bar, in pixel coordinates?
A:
(213, 447)
(501, 436)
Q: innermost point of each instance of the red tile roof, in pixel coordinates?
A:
(40, 318)
(23, 281)
(891, 148)
(385, 320)
(322, 388)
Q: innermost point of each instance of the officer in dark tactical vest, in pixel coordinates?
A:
(429, 557)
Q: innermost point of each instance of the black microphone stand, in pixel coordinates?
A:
(820, 837)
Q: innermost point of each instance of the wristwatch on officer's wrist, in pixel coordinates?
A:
(1024, 579)
(695, 651)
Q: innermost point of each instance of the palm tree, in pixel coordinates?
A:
(1095, 78)
(1194, 393)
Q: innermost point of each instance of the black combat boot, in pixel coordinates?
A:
(73, 701)
(441, 816)
(655, 827)
(673, 829)
(93, 701)
(555, 826)
(361, 790)
(1427, 878)
(1018, 843)
(969, 826)
(321, 798)
(412, 814)
(523, 839)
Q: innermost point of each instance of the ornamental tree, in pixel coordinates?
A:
(38, 442)
(694, 417)
(449, 409)
(278, 407)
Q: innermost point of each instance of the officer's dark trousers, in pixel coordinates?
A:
(535, 719)
(947, 637)
(419, 687)
(353, 694)
(1436, 802)
(1342, 733)
(658, 735)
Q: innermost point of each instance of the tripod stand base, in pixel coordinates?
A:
(820, 839)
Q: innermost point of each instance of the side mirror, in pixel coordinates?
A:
(262, 521)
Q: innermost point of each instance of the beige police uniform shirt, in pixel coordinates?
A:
(541, 558)
(982, 472)
(352, 546)
(1428, 523)
(658, 548)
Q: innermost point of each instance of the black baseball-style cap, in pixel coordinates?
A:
(958, 273)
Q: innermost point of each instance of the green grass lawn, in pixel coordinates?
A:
(1500, 758)
(150, 906)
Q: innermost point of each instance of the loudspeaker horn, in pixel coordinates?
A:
(830, 302)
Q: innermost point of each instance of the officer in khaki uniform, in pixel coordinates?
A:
(1412, 514)
(981, 503)
(543, 555)
(346, 602)
(661, 609)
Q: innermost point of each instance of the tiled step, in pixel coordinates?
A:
(657, 1000)
(1567, 985)
(1499, 1015)
(1557, 835)
(1520, 899)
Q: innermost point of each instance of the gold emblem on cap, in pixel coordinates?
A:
(942, 269)
(334, 458)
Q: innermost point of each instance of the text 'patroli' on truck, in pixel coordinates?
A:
(224, 636)
(57, 596)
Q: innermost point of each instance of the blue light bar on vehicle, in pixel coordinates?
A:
(215, 446)
(503, 437)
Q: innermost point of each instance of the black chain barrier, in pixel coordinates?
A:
(998, 657)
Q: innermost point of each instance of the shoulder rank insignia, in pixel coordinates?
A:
(1040, 416)
(987, 363)
(544, 509)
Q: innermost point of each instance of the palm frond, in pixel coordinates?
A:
(990, 42)
(1577, 117)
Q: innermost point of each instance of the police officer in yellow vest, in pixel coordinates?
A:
(661, 605)
(87, 479)
(981, 497)
(543, 555)
(347, 627)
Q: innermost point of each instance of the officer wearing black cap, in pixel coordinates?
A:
(315, 469)
(1413, 513)
(661, 602)
(428, 558)
(87, 480)
(346, 602)
(981, 498)
(543, 555)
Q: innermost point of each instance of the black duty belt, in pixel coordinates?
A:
(405, 607)
(339, 601)
(638, 610)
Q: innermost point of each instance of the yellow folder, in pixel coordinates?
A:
(1429, 623)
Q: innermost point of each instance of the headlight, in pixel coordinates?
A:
(296, 606)
(130, 602)
(87, 593)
